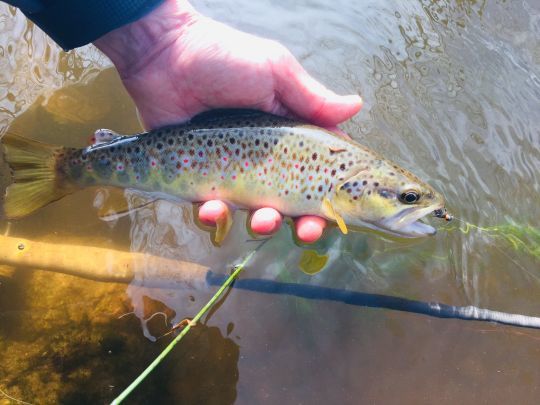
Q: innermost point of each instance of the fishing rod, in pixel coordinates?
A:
(362, 299)
(109, 265)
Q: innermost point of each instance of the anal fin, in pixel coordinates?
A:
(113, 206)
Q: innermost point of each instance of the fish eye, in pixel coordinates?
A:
(409, 197)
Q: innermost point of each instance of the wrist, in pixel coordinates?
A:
(133, 45)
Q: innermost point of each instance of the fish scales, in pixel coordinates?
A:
(251, 161)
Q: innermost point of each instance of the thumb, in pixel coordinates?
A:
(305, 97)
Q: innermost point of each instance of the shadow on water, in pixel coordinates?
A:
(75, 344)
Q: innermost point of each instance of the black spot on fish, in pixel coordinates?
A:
(308, 196)
(301, 144)
(209, 143)
(232, 141)
(342, 167)
(333, 172)
(159, 146)
(266, 145)
(364, 182)
(257, 142)
(148, 142)
(314, 156)
(137, 149)
(190, 137)
(320, 189)
(170, 141)
(376, 184)
(355, 184)
(275, 141)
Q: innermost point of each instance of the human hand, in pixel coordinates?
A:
(175, 63)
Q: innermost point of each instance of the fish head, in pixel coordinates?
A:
(389, 199)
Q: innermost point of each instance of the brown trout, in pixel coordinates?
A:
(246, 158)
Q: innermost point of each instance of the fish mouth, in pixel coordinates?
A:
(408, 222)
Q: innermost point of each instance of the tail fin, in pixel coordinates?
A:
(36, 181)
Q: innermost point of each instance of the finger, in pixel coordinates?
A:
(310, 228)
(211, 211)
(309, 99)
(339, 132)
(266, 221)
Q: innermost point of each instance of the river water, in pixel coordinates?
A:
(451, 91)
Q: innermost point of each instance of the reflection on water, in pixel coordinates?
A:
(452, 91)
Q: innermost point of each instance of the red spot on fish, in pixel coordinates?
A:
(224, 159)
(234, 177)
(260, 174)
(296, 165)
(270, 160)
(204, 174)
(222, 178)
(186, 160)
(153, 163)
(310, 177)
(247, 164)
(326, 170)
(269, 183)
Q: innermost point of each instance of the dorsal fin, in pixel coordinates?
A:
(231, 116)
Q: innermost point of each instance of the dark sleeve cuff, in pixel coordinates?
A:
(73, 23)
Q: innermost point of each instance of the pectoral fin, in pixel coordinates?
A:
(223, 226)
(331, 213)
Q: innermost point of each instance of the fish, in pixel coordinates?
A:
(246, 158)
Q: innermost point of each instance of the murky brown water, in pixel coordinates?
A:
(452, 91)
